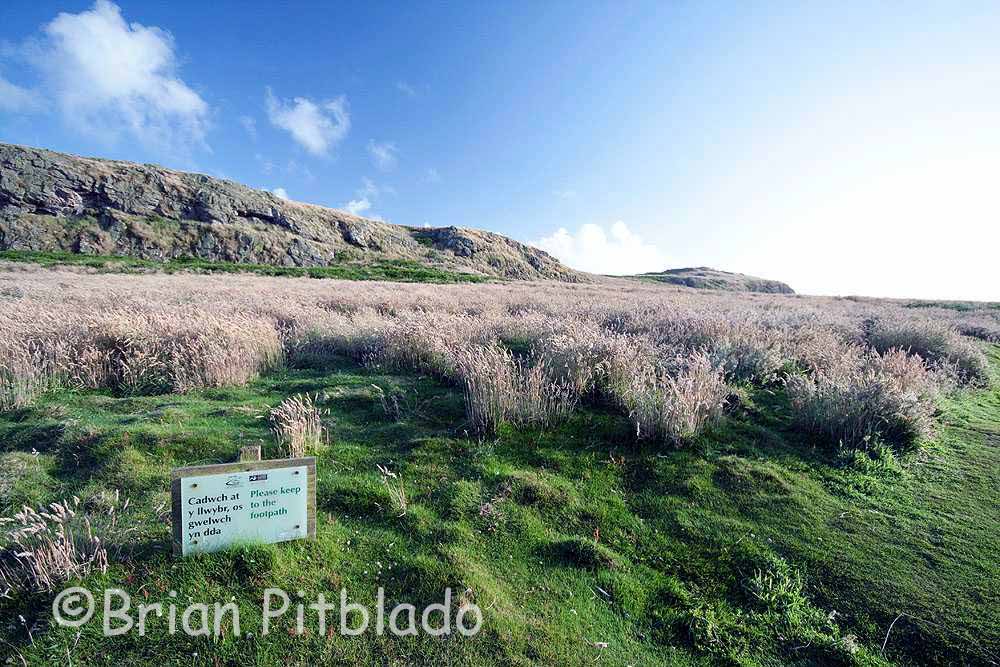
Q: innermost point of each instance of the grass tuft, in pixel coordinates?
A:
(583, 552)
(297, 424)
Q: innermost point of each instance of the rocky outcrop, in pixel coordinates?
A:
(53, 201)
(703, 277)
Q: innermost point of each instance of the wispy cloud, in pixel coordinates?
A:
(431, 175)
(250, 125)
(293, 168)
(383, 154)
(280, 192)
(109, 77)
(16, 99)
(317, 127)
(406, 89)
(617, 252)
(368, 188)
(565, 194)
(266, 165)
(365, 196)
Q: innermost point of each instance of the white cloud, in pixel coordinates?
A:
(365, 197)
(383, 154)
(619, 252)
(280, 193)
(368, 188)
(317, 127)
(565, 194)
(431, 175)
(250, 125)
(17, 99)
(108, 76)
(358, 206)
(406, 89)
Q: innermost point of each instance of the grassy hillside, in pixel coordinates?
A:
(703, 277)
(632, 525)
(399, 270)
(671, 579)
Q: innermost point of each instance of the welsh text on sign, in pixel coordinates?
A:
(263, 502)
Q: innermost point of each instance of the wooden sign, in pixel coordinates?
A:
(217, 506)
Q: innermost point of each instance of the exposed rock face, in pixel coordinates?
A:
(705, 278)
(53, 201)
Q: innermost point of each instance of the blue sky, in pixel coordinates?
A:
(845, 149)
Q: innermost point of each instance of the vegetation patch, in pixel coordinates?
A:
(753, 538)
(583, 552)
(401, 270)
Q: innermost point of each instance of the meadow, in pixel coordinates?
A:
(615, 472)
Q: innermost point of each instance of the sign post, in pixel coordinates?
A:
(216, 506)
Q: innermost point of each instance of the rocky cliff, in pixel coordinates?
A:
(53, 201)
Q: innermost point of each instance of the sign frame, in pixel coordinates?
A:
(188, 472)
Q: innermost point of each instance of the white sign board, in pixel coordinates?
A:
(242, 504)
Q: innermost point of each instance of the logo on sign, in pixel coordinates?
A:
(259, 477)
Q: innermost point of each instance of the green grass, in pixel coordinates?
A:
(400, 270)
(751, 547)
(961, 306)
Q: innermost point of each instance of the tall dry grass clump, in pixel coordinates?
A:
(297, 424)
(519, 326)
(26, 370)
(220, 352)
(935, 342)
(42, 549)
(980, 327)
(500, 388)
(422, 342)
(741, 344)
(866, 399)
(521, 353)
(319, 335)
(667, 395)
(814, 348)
(140, 352)
(748, 352)
(576, 355)
(160, 352)
(672, 405)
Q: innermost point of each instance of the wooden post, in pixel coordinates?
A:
(250, 453)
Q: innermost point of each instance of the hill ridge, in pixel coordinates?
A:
(52, 201)
(705, 277)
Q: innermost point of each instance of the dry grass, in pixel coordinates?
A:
(866, 397)
(145, 351)
(524, 354)
(297, 424)
(24, 372)
(43, 548)
(500, 388)
(393, 484)
(672, 405)
(937, 342)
